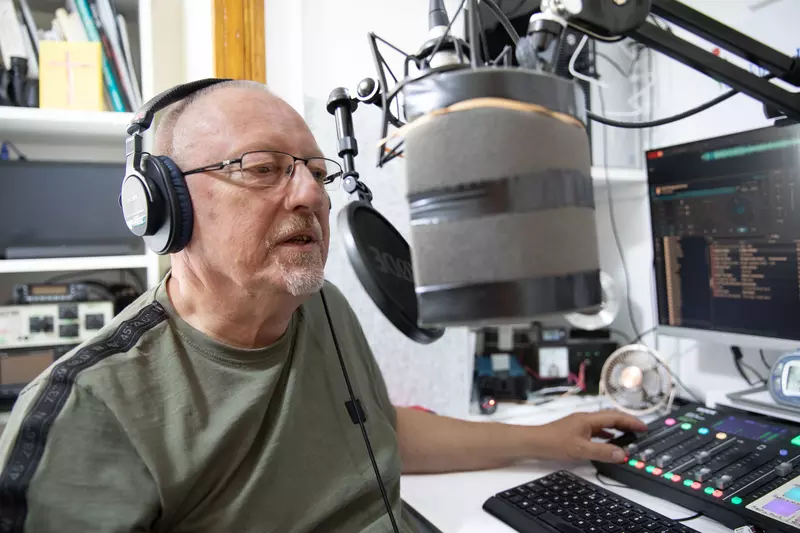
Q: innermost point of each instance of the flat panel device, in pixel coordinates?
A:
(33, 325)
(726, 228)
(62, 209)
(737, 468)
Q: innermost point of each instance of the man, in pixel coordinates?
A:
(215, 402)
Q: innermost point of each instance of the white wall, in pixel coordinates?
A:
(437, 376)
(702, 366)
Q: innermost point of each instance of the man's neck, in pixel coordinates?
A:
(224, 310)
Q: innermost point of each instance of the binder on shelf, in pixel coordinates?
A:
(70, 76)
(112, 84)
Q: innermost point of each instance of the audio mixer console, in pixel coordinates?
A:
(737, 468)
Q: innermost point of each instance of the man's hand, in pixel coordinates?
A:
(571, 437)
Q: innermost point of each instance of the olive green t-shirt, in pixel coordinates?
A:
(154, 426)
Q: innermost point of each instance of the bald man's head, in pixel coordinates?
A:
(241, 224)
(182, 121)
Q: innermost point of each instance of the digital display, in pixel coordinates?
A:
(48, 290)
(749, 429)
(793, 380)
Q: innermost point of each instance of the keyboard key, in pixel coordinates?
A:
(582, 491)
(583, 524)
(627, 513)
(611, 528)
(633, 528)
(587, 515)
(558, 523)
(560, 511)
(651, 526)
(614, 507)
(524, 504)
(535, 510)
(639, 520)
(544, 483)
(515, 498)
(506, 494)
(521, 490)
(653, 517)
(569, 517)
(550, 506)
(541, 500)
(619, 521)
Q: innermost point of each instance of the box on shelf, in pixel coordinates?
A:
(71, 76)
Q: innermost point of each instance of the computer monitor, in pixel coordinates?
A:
(725, 218)
(61, 209)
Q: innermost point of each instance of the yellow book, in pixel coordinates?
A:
(71, 75)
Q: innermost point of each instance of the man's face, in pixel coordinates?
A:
(245, 231)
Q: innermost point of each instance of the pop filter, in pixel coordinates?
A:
(381, 259)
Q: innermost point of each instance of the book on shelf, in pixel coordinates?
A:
(78, 22)
(71, 76)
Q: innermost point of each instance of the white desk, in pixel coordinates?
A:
(453, 502)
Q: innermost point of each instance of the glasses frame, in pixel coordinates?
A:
(222, 164)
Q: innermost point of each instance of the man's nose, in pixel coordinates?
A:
(303, 189)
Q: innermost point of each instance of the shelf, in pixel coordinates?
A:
(75, 263)
(19, 123)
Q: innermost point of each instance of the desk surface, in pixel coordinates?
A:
(453, 502)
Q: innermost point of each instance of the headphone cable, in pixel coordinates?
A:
(357, 415)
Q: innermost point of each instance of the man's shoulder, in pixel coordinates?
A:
(121, 338)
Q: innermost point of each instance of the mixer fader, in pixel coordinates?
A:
(737, 468)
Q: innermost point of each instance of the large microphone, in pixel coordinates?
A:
(499, 185)
(500, 195)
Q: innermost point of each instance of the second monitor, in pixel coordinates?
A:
(726, 232)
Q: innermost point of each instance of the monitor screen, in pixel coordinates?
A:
(61, 204)
(726, 231)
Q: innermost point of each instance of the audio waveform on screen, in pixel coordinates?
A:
(738, 151)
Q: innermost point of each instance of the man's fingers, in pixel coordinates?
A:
(600, 451)
(615, 420)
(603, 434)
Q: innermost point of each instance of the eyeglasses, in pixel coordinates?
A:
(268, 168)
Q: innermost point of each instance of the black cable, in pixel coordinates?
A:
(613, 220)
(607, 484)
(359, 417)
(612, 63)
(622, 334)
(641, 335)
(738, 366)
(764, 359)
(503, 19)
(695, 516)
(667, 120)
(20, 155)
(755, 372)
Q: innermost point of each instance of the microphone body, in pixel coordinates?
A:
(501, 197)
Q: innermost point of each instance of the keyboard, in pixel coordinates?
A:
(565, 503)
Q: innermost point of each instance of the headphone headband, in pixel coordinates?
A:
(144, 117)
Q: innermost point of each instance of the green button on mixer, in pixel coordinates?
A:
(668, 475)
(633, 462)
(686, 426)
(650, 469)
(709, 490)
(796, 440)
(736, 500)
(688, 482)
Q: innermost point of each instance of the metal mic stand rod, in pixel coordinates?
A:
(341, 106)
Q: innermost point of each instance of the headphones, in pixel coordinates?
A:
(154, 199)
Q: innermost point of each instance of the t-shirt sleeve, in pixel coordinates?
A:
(69, 466)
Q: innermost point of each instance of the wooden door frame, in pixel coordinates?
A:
(239, 42)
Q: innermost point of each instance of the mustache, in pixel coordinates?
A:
(295, 224)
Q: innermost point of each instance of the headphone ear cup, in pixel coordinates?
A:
(183, 220)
